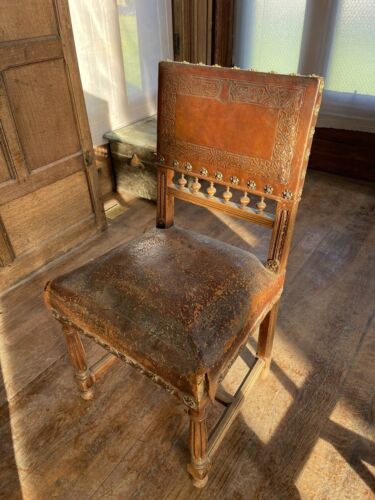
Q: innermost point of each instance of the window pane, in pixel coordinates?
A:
(145, 31)
(130, 45)
(352, 63)
(269, 34)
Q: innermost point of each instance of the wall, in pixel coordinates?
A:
(112, 99)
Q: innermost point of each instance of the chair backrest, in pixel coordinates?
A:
(244, 130)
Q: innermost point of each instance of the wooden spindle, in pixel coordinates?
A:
(244, 200)
(261, 205)
(211, 190)
(227, 195)
(182, 181)
(196, 185)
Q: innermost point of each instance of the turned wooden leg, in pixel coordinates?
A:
(200, 463)
(266, 336)
(77, 355)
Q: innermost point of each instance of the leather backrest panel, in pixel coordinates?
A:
(255, 126)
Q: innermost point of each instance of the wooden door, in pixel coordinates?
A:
(49, 199)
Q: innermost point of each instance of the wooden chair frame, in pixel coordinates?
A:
(202, 447)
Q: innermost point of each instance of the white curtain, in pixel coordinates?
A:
(332, 38)
(119, 44)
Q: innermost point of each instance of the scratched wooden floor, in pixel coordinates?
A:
(306, 432)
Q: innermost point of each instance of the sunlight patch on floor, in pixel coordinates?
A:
(6, 374)
(326, 462)
(272, 397)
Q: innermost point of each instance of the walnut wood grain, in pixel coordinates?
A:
(165, 205)
(77, 354)
(344, 152)
(99, 368)
(200, 462)
(266, 336)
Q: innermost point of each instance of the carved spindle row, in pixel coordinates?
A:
(227, 195)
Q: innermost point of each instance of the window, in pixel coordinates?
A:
(333, 38)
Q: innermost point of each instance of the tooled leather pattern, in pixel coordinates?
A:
(287, 100)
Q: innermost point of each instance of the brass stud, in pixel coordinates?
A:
(234, 180)
(251, 184)
(219, 176)
(175, 163)
(287, 195)
(160, 158)
(204, 171)
(268, 189)
(272, 265)
(188, 166)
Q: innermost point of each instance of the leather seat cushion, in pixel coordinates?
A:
(178, 303)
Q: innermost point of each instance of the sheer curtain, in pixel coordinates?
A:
(332, 38)
(119, 44)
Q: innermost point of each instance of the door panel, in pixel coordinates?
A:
(42, 108)
(22, 19)
(49, 197)
(39, 216)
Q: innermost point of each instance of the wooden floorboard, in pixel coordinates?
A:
(307, 431)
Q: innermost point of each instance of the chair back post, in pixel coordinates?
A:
(281, 235)
(165, 200)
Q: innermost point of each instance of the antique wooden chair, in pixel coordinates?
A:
(178, 305)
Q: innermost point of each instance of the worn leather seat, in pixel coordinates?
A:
(177, 302)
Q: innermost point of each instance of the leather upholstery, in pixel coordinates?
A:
(177, 302)
(245, 124)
